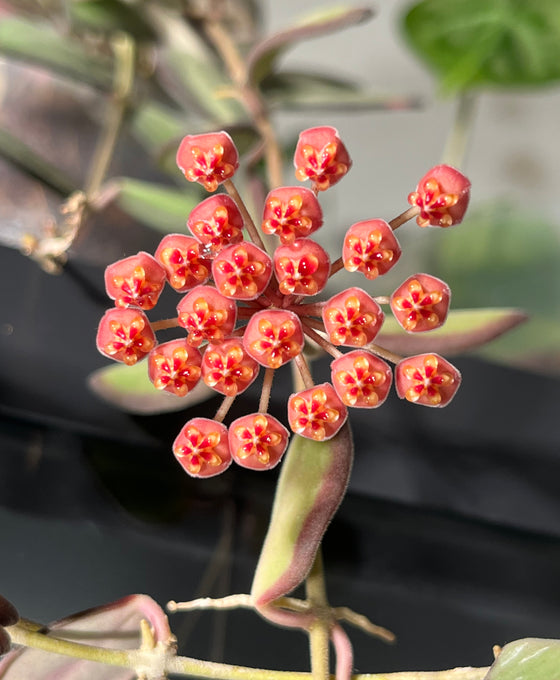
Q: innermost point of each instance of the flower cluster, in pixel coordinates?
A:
(244, 308)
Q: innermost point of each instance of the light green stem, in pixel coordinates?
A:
(319, 632)
(458, 137)
(162, 659)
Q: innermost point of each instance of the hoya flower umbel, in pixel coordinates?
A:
(250, 305)
(208, 159)
(442, 196)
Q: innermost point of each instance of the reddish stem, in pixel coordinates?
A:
(304, 371)
(320, 340)
(408, 214)
(247, 219)
(266, 389)
(221, 413)
(163, 324)
(336, 266)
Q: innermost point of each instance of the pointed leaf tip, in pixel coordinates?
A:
(312, 484)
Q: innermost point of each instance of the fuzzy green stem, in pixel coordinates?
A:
(186, 666)
(319, 631)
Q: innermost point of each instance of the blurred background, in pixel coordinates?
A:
(450, 533)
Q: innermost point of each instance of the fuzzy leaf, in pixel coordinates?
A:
(292, 90)
(116, 626)
(161, 207)
(311, 486)
(108, 16)
(130, 389)
(41, 46)
(262, 59)
(464, 329)
(473, 43)
(528, 659)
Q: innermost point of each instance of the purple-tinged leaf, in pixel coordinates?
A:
(528, 659)
(311, 486)
(112, 626)
(130, 389)
(465, 329)
(262, 59)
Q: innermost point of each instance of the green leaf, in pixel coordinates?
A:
(189, 76)
(263, 57)
(109, 16)
(41, 46)
(159, 129)
(311, 486)
(130, 389)
(161, 207)
(528, 659)
(473, 43)
(464, 329)
(291, 90)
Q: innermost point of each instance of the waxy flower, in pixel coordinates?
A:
(371, 248)
(290, 213)
(244, 307)
(216, 223)
(321, 157)
(183, 261)
(136, 281)
(202, 448)
(427, 379)
(125, 335)
(208, 159)
(175, 367)
(258, 441)
(317, 413)
(421, 303)
(442, 196)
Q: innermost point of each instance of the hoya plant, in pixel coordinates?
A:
(256, 300)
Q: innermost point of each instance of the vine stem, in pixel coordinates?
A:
(163, 660)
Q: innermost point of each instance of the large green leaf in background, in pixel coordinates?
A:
(528, 659)
(472, 43)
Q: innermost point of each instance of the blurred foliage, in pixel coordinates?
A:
(487, 43)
